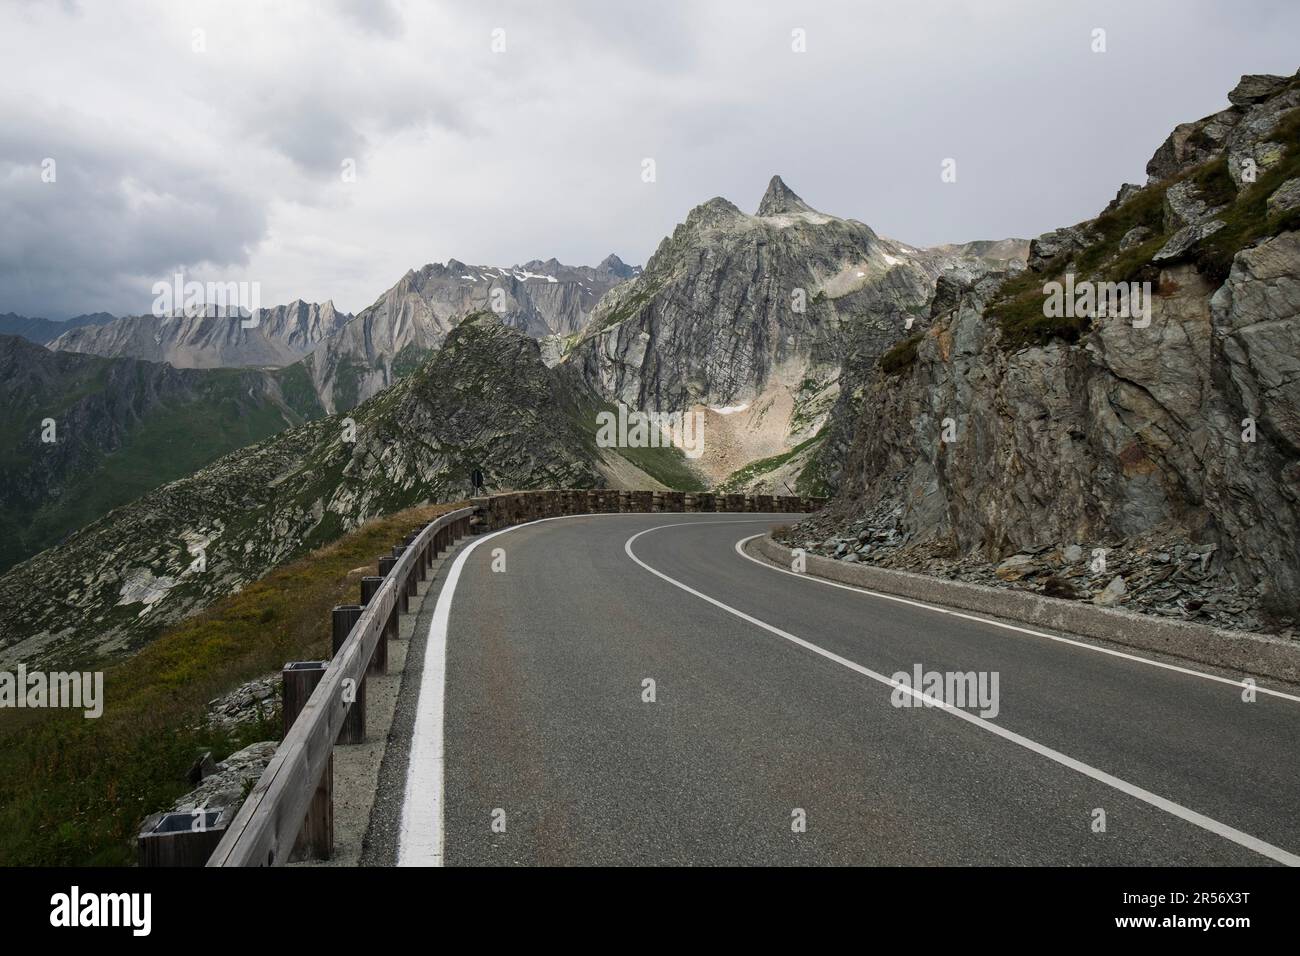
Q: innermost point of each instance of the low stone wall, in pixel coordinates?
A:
(1257, 654)
(501, 511)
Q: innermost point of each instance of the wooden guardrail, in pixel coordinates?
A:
(501, 511)
(289, 813)
(267, 827)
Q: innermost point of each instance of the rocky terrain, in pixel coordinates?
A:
(223, 785)
(280, 336)
(1160, 574)
(116, 428)
(1003, 440)
(484, 400)
(760, 318)
(388, 339)
(250, 702)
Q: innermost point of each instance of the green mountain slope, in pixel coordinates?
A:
(121, 427)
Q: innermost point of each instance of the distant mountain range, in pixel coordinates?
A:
(358, 355)
(388, 339)
(155, 462)
(44, 331)
(270, 338)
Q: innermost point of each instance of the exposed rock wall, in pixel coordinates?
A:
(1124, 434)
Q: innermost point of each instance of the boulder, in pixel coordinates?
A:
(1185, 240)
(1285, 198)
(1050, 250)
(1255, 88)
(1135, 237)
(1184, 206)
(1112, 592)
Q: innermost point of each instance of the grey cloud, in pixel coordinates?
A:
(535, 153)
(375, 16)
(114, 221)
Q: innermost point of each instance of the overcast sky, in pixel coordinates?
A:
(228, 161)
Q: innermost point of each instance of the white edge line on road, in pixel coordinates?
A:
(1123, 786)
(1009, 627)
(421, 837)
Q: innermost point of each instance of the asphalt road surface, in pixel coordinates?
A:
(774, 735)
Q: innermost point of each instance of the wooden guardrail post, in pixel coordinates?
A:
(379, 663)
(354, 724)
(180, 838)
(386, 564)
(411, 585)
(315, 840)
(418, 571)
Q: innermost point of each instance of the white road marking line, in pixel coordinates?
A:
(421, 837)
(1009, 627)
(420, 841)
(1123, 786)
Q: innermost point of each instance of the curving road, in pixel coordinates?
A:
(533, 742)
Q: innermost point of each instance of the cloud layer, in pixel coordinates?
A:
(222, 151)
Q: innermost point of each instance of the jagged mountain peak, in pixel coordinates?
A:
(613, 265)
(781, 200)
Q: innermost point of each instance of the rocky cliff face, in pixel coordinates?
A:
(281, 336)
(485, 400)
(410, 320)
(1007, 441)
(758, 321)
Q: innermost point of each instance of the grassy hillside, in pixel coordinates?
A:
(73, 791)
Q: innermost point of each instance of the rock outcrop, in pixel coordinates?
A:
(1008, 430)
